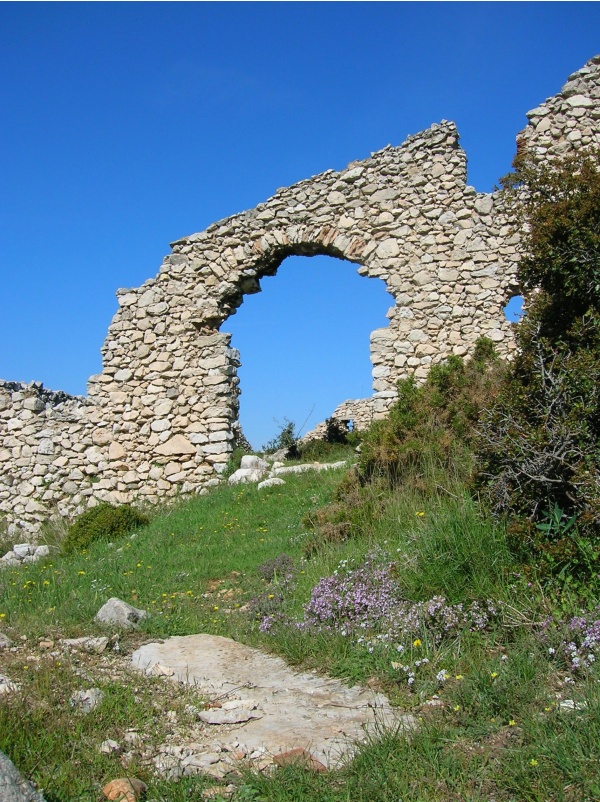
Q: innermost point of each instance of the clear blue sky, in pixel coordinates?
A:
(127, 125)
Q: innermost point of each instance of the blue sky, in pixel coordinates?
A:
(127, 125)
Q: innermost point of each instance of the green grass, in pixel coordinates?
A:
(495, 730)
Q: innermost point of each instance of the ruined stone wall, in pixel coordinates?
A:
(159, 419)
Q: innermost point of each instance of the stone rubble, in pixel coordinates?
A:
(254, 469)
(23, 553)
(87, 700)
(161, 420)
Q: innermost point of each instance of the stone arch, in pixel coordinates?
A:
(318, 298)
(160, 418)
(405, 215)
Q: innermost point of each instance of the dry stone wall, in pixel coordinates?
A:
(161, 418)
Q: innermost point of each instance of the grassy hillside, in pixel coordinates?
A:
(414, 592)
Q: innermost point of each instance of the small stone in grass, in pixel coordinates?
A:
(125, 789)
(110, 747)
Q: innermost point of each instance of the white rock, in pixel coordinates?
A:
(90, 645)
(253, 462)
(273, 482)
(119, 613)
(86, 700)
(23, 550)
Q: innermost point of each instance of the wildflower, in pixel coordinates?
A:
(2, 615)
(81, 573)
(533, 762)
(420, 514)
(216, 607)
(512, 722)
(46, 582)
(417, 643)
(271, 596)
(459, 677)
(494, 674)
(456, 708)
(442, 675)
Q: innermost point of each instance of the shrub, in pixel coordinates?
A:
(429, 430)
(539, 445)
(103, 522)
(286, 439)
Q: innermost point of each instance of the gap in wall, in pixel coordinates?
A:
(304, 343)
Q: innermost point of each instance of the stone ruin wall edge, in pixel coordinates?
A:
(159, 420)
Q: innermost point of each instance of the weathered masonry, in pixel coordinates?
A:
(161, 417)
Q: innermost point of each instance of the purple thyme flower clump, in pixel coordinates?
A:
(367, 600)
(575, 642)
(361, 598)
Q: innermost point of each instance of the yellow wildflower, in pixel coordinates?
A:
(417, 643)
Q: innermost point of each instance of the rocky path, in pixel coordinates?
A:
(263, 707)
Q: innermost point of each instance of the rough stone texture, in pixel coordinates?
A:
(280, 709)
(161, 418)
(118, 613)
(13, 786)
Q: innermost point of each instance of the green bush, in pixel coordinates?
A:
(286, 439)
(539, 445)
(103, 522)
(430, 428)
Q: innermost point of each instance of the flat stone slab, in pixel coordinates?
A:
(289, 709)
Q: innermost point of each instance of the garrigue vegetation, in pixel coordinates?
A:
(454, 567)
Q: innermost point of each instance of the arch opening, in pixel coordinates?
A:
(304, 343)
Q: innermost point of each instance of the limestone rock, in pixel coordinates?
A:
(87, 700)
(254, 463)
(118, 613)
(273, 482)
(13, 786)
(90, 645)
(245, 475)
(221, 716)
(175, 446)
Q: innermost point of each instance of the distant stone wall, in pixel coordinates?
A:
(160, 420)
